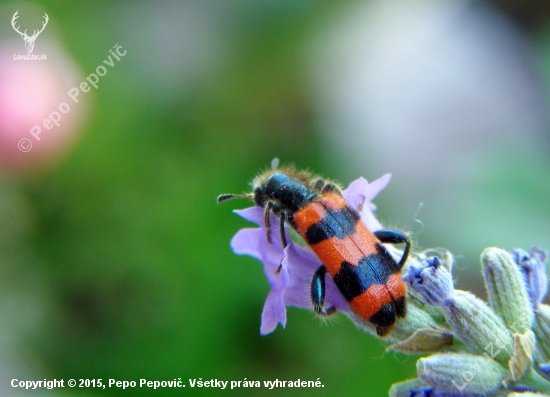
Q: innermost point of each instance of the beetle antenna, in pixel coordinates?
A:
(225, 197)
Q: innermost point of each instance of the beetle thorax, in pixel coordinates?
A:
(284, 192)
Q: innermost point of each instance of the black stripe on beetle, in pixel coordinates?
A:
(373, 269)
(339, 224)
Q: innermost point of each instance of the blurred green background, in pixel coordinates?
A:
(115, 258)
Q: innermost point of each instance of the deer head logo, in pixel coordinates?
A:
(29, 40)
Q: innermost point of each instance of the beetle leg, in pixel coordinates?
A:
(317, 292)
(395, 237)
(267, 212)
(282, 219)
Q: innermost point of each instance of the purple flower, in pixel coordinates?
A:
(290, 286)
(432, 281)
(532, 266)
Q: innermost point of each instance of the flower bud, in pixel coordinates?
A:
(461, 373)
(506, 289)
(427, 340)
(475, 324)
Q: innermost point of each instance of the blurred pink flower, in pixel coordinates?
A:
(30, 91)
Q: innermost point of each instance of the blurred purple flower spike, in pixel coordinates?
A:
(290, 287)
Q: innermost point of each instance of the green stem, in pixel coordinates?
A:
(537, 382)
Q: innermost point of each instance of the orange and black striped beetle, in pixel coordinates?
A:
(365, 273)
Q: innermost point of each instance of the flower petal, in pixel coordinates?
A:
(274, 312)
(246, 242)
(359, 195)
(252, 214)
